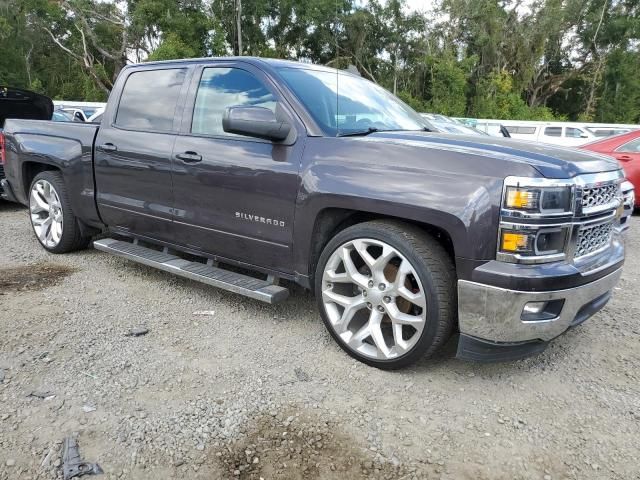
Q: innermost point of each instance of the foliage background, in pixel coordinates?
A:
(533, 59)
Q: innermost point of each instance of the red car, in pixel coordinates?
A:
(626, 148)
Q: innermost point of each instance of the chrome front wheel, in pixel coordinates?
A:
(374, 299)
(46, 212)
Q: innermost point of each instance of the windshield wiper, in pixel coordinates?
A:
(370, 130)
(359, 133)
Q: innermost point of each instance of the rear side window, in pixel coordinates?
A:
(521, 130)
(149, 99)
(226, 87)
(632, 147)
(553, 131)
(573, 132)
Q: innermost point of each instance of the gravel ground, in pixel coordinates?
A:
(255, 391)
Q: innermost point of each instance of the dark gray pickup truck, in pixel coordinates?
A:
(243, 172)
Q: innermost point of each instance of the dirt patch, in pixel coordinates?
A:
(32, 277)
(298, 447)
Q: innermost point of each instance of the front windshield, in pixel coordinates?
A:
(344, 104)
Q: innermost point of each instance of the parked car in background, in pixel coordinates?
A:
(23, 104)
(86, 108)
(569, 134)
(495, 129)
(609, 131)
(97, 116)
(553, 133)
(63, 116)
(626, 149)
(301, 172)
(77, 114)
(444, 124)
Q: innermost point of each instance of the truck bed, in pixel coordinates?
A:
(32, 144)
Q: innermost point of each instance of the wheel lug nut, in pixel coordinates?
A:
(387, 299)
(364, 294)
(380, 308)
(368, 305)
(382, 286)
(329, 285)
(370, 283)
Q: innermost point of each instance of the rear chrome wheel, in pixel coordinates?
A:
(374, 299)
(52, 218)
(47, 216)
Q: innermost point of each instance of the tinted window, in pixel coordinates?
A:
(573, 132)
(342, 103)
(521, 130)
(603, 133)
(553, 131)
(148, 101)
(633, 146)
(226, 87)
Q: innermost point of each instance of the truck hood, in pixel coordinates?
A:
(16, 103)
(550, 160)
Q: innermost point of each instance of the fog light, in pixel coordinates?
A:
(533, 308)
(517, 242)
(541, 311)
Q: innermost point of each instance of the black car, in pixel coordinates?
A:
(16, 103)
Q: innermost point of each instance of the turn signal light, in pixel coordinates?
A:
(515, 242)
(522, 199)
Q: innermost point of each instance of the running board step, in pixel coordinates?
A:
(217, 277)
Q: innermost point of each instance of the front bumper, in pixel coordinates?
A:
(493, 315)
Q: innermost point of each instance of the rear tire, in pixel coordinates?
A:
(386, 291)
(52, 218)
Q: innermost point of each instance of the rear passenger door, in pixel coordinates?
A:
(133, 151)
(234, 196)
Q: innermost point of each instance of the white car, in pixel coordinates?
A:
(551, 133)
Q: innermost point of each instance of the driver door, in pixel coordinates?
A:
(234, 196)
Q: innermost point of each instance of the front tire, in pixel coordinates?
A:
(52, 218)
(386, 291)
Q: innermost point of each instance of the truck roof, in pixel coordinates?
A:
(271, 63)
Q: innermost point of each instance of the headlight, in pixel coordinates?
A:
(535, 219)
(532, 242)
(541, 200)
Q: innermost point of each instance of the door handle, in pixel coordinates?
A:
(189, 157)
(107, 147)
(624, 158)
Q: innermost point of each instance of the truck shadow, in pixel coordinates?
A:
(10, 206)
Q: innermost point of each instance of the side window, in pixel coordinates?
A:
(632, 147)
(520, 130)
(573, 132)
(149, 99)
(553, 131)
(226, 87)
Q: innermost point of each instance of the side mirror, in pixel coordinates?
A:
(78, 117)
(258, 122)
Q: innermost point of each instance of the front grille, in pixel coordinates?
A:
(598, 196)
(593, 238)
